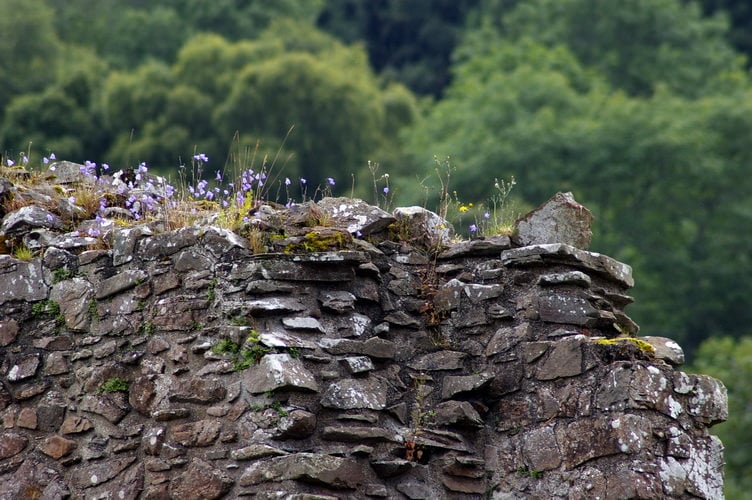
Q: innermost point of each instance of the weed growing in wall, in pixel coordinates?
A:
(115, 384)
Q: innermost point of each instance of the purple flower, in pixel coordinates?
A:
(94, 232)
(219, 176)
(169, 191)
(386, 189)
(53, 157)
(210, 195)
(473, 228)
(9, 162)
(358, 234)
(330, 180)
(303, 181)
(486, 215)
(201, 157)
(287, 181)
(45, 160)
(105, 166)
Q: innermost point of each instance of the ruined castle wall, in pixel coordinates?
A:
(383, 374)
(181, 365)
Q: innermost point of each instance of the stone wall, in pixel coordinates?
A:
(179, 364)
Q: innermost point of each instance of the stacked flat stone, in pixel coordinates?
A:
(499, 368)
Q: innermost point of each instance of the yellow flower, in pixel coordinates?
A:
(463, 208)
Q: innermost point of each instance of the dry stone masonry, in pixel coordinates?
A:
(179, 364)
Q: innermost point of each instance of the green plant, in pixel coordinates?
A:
(93, 309)
(420, 417)
(211, 293)
(294, 352)
(525, 471)
(115, 384)
(277, 406)
(239, 321)
(62, 274)
(140, 305)
(48, 308)
(23, 253)
(242, 357)
(147, 327)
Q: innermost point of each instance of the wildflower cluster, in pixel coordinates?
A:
(493, 218)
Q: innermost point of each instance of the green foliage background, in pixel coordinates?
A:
(642, 108)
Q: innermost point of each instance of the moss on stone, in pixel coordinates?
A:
(639, 343)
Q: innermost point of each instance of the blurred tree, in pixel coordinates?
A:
(62, 118)
(410, 42)
(324, 104)
(637, 46)
(242, 19)
(739, 13)
(292, 75)
(731, 361)
(28, 48)
(123, 32)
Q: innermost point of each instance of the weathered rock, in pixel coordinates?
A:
(414, 490)
(334, 472)
(12, 444)
(355, 215)
(559, 253)
(507, 338)
(74, 424)
(112, 406)
(278, 371)
(454, 385)
(439, 360)
(29, 217)
(57, 447)
(297, 424)
(8, 332)
(459, 413)
(50, 411)
(303, 323)
(349, 394)
(423, 227)
(391, 468)
(255, 451)
(34, 478)
(23, 368)
(21, 280)
(358, 364)
(338, 301)
(491, 246)
(199, 390)
(358, 434)
(74, 297)
(567, 309)
(666, 349)
(560, 220)
(576, 278)
(565, 359)
(200, 433)
(100, 472)
(200, 480)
